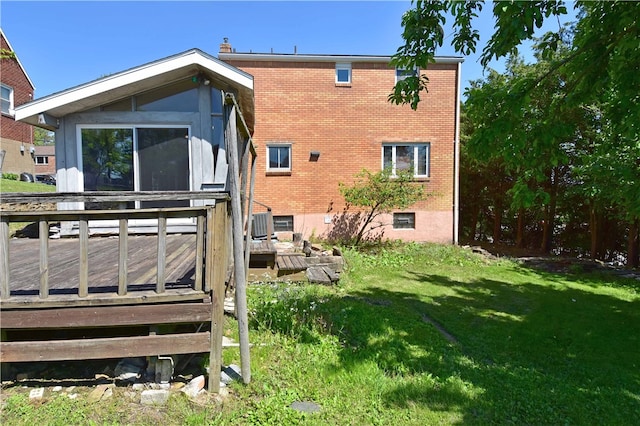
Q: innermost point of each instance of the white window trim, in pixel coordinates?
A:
(343, 66)
(11, 111)
(415, 146)
(279, 145)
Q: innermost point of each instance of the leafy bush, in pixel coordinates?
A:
(10, 176)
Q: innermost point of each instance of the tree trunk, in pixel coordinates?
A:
(633, 245)
(497, 221)
(550, 219)
(593, 229)
(520, 230)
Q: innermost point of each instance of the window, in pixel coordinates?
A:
(283, 223)
(401, 73)
(404, 221)
(279, 157)
(407, 157)
(7, 100)
(343, 73)
(42, 159)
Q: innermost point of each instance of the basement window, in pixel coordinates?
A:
(283, 223)
(404, 221)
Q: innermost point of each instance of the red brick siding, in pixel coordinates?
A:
(299, 102)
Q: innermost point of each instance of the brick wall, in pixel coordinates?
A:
(14, 134)
(300, 103)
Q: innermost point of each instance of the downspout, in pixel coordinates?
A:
(456, 162)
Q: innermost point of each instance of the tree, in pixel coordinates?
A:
(43, 137)
(379, 193)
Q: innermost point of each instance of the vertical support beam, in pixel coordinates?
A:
(83, 228)
(162, 252)
(247, 247)
(199, 252)
(123, 256)
(231, 139)
(43, 229)
(217, 275)
(4, 258)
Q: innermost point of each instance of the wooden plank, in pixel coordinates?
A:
(318, 275)
(219, 255)
(123, 256)
(200, 228)
(162, 253)
(71, 215)
(4, 259)
(43, 226)
(110, 316)
(115, 196)
(83, 288)
(101, 299)
(104, 348)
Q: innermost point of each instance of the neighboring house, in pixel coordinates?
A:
(320, 119)
(45, 159)
(16, 138)
(156, 127)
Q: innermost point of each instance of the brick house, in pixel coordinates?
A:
(320, 119)
(16, 138)
(45, 159)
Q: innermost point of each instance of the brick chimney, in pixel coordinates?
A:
(225, 47)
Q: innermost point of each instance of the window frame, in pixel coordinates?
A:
(10, 100)
(281, 218)
(402, 73)
(42, 159)
(415, 146)
(408, 217)
(342, 66)
(270, 169)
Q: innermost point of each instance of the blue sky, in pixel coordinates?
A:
(63, 44)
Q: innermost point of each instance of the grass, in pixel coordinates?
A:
(7, 185)
(523, 347)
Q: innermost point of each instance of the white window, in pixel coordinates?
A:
(279, 157)
(343, 73)
(402, 73)
(42, 159)
(404, 221)
(7, 100)
(410, 156)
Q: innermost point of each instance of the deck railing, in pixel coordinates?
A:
(210, 235)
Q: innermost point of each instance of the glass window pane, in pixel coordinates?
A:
(279, 157)
(423, 159)
(404, 157)
(342, 76)
(163, 157)
(178, 97)
(404, 221)
(107, 162)
(387, 157)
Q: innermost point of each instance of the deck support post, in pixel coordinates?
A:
(231, 138)
(4, 258)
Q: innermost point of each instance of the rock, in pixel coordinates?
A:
(154, 397)
(230, 373)
(37, 393)
(56, 389)
(99, 392)
(305, 406)
(194, 387)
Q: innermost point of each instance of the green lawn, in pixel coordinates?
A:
(521, 347)
(7, 185)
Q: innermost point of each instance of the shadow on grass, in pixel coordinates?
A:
(528, 353)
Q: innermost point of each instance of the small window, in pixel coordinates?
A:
(404, 221)
(7, 100)
(401, 73)
(343, 73)
(283, 223)
(42, 159)
(413, 156)
(279, 158)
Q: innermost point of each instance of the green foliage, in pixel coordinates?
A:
(10, 176)
(376, 194)
(43, 137)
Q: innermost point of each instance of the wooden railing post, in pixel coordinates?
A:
(123, 255)
(43, 229)
(83, 236)
(162, 252)
(4, 258)
(200, 228)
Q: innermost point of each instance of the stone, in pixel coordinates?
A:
(305, 406)
(98, 393)
(154, 397)
(194, 387)
(36, 393)
(56, 389)
(230, 373)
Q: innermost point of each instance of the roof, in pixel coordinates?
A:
(294, 57)
(142, 78)
(17, 60)
(45, 150)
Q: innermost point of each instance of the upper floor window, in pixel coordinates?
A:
(7, 100)
(343, 73)
(402, 73)
(414, 156)
(42, 159)
(279, 157)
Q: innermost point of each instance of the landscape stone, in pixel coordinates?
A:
(194, 387)
(56, 389)
(99, 393)
(36, 393)
(305, 406)
(154, 397)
